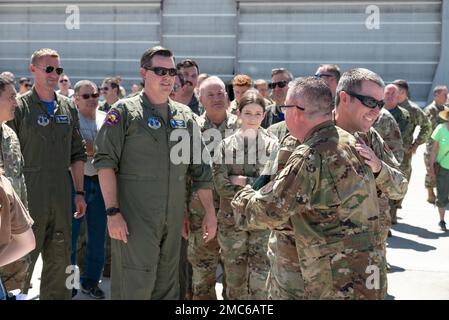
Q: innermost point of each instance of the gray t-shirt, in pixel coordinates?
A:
(89, 129)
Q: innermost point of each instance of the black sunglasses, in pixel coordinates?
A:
(104, 88)
(28, 85)
(321, 75)
(280, 84)
(63, 80)
(367, 101)
(284, 108)
(161, 71)
(49, 69)
(92, 95)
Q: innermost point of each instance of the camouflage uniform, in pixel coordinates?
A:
(407, 127)
(389, 130)
(417, 118)
(204, 256)
(329, 196)
(244, 253)
(11, 161)
(284, 279)
(431, 112)
(279, 129)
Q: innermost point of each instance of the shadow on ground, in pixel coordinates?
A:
(420, 232)
(402, 243)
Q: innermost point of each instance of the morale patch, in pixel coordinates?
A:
(43, 120)
(62, 119)
(178, 124)
(267, 188)
(112, 118)
(154, 123)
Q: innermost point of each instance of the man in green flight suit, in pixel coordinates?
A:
(138, 171)
(48, 129)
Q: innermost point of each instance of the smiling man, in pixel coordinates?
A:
(47, 125)
(144, 191)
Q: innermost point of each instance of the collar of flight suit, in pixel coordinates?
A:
(34, 97)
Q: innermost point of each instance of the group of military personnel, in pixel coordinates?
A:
(339, 152)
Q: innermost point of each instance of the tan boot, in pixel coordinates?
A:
(430, 196)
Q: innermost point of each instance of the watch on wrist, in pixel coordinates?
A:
(81, 193)
(112, 211)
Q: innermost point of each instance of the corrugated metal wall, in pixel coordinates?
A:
(301, 35)
(111, 38)
(228, 36)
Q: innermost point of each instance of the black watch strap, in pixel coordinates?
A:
(112, 211)
(81, 193)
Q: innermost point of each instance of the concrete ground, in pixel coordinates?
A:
(418, 252)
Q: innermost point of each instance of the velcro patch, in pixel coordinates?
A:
(112, 118)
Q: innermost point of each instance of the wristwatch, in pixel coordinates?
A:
(81, 193)
(112, 211)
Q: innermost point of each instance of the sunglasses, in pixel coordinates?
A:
(49, 69)
(63, 80)
(367, 101)
(161, 71)
(28, 85)
(280, 84)
(326, 75)
(92, 95)
(104, 89)
(284, 108)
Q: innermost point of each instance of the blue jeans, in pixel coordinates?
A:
(96, 232)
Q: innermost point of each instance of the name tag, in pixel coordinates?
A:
(62, 119)
(178, 124)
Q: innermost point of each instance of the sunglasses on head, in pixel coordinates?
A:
(367, 101)
(92, 95)
(49, 69)
(63, 80)
(280, 84)
(161, 71)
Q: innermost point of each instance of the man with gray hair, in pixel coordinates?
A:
(438, 104)
(91, 119)
(203, 255)
(328, 196)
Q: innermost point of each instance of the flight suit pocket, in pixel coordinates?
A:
(138, 282)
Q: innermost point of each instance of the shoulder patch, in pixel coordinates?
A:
(112, 118)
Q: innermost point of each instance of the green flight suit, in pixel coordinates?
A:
(49, 146)
(151, 189)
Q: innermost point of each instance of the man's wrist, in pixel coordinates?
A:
(112, 211)
(80, 193)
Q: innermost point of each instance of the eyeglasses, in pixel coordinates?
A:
(104, 89)
(87, 95)
(284, 108)
(161, 71)
(367, 101)
(63, 80)
(280, 84)
(49, 69)
(326, 75)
